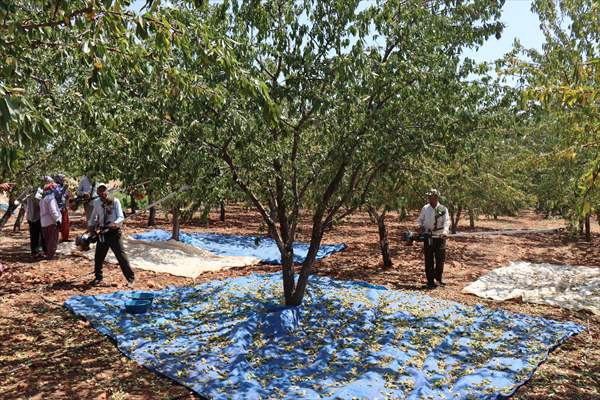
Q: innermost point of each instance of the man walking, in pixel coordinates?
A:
(434, 220)
(107, 215)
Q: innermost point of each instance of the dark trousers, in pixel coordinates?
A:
(435, 254)
(65, 226)
(35, 236)
(112, 240)
(50, 235)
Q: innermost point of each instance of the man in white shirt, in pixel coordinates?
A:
(107, 215)
(50, 218)
(35, 225)
(434, 220)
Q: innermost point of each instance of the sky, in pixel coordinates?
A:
(520, 22)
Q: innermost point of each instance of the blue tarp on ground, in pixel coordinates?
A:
(224, 340)
(262, 248)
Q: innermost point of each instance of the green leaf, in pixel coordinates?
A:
(47, 126)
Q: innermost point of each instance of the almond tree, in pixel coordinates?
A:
(562, 89)
(336, 72)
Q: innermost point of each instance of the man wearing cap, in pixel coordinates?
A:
(434, 220)
(107, 215)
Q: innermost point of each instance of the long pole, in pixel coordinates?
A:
(502, 232)
(157, 202)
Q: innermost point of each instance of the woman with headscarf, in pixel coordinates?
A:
(51, 218)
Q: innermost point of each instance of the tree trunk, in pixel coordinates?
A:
(403, 214)
(588, 233)
(176, 223)
(204, 217)
(188, 215)
(134, 206)
(471, 219)
(287, 264)
(273, 216)
(222, 215)
(384, 245)
(152, 216)
(307, 265)
(383, 241)
(19, 221)
(454, 218)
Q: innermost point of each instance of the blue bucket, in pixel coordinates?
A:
(143, 296)
(137, 306)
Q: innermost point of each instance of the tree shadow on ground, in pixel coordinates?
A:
(53, 354)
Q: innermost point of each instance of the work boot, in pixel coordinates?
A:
(439, 281)
(130, 283)
(431, 286)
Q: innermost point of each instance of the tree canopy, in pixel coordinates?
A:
(313, 107)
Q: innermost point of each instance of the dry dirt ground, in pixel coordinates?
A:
(47, 353)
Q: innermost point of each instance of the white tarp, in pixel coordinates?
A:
(566, 286)
(172, 257)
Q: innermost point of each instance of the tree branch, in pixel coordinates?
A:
(261, 209)
(56, 23)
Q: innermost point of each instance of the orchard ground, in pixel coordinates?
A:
(47, 353)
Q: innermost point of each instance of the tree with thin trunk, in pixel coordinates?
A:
(19, 220)
(175, 211)
(332, 92)
(384, 245)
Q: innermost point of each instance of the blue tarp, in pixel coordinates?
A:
(262, 248)
(227, 340)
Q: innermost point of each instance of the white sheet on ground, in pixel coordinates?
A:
(172, 257)
(566, 286)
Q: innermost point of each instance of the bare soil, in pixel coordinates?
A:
(47, 353)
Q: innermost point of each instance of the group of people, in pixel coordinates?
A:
(47, 210)
(47, 214)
